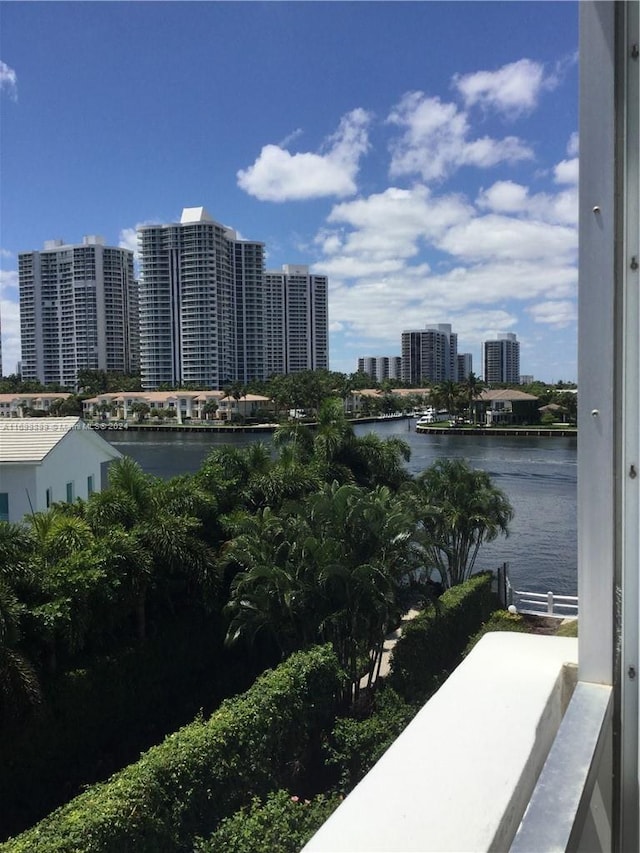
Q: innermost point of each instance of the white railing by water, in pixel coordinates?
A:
(545, 603)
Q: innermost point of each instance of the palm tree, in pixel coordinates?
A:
(19, 684)
(460, 508)
(446, 395)
(329, 570)
(472, 386)
(159, 532)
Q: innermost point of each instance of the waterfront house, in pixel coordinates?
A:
(245, 407)
(43, 460)
(508, 406)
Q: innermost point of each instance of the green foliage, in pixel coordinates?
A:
(460, 508)
(281, 824)
(97, 719)
(182, 788)
(432, 644)
(568, 629)
(331, 570)
(500, 620)
(357, 744)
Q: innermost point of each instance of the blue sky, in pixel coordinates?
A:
(423, 155)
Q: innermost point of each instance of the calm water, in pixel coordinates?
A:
(537, 474)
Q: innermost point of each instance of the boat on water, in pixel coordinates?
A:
(433, 416)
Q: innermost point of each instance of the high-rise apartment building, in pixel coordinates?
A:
(430, 354)
(465, 366)
(381, 367)
(210, 314)
(502, 360)
(201, 304)
(78, 310)
(297, 321)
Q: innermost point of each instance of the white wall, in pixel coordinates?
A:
(18, 481)
(77, 455)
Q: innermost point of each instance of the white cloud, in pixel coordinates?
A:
(513, 89)
(511, 198)
(435, 141)
(555, 313)
(566, 172)
(290, 137)
(8, 281)
(390, 225)
(5, 253)
(10, 319)
(573, 146)
(277, 175)
(385, 277)
(128, 239)
(498, 237)
(8, 81)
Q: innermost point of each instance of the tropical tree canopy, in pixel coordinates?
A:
(460, 508)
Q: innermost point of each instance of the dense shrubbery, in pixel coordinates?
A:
(356, 744)
(250, 746)
(281, 824)
(500, 620)
(432, 644)
(97, 720)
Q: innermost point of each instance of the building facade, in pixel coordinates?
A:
(200, 303)
(78, 310)
(297, 320)
(502, 360)
(210, 314)
(381, 367)
(430, 354)
(465, 366)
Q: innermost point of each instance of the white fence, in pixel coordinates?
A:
(545, 603)
(533, 603)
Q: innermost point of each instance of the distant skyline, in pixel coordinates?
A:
(422, 155)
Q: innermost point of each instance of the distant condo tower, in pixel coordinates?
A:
(430, 354)
(297, 325)
(381, 367)
(502, 360)
(210, 314)
(78, 310)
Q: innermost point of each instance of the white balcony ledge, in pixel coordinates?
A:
(461, 775)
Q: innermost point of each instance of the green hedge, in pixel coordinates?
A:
(97, 720)
(500, 620)
(432, 644)
(282, 824)
(204, 772)
(357, 744)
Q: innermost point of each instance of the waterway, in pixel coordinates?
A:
(538, 475)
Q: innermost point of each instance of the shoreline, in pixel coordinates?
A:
(542, 432)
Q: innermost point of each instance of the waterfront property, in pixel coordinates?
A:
(508, 406)
(20, 405)
(48, 460)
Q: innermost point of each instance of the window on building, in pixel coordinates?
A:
(90, 485)
(4, 506)
(49, 498)
(69, 493)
